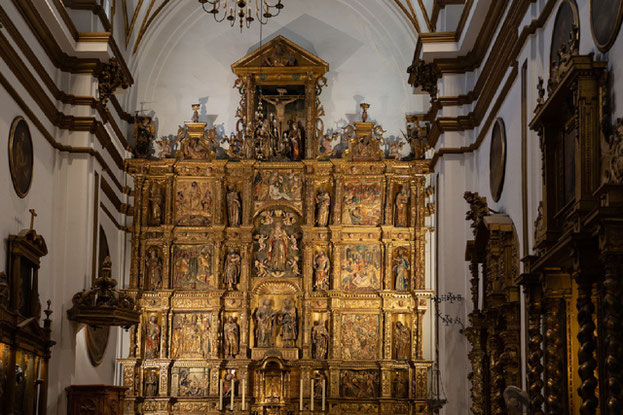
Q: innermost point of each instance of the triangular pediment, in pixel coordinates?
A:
(279, 54)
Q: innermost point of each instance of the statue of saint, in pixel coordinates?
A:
(320, 340)
(264, 316)
(232, 337)
(401, 341)
(296, 135)
(322, 267)
(288, 321)
(152, 338)
(323, 208)
(401, 270)
(154, 270)
(232, 269)
(234, 207)
(151, 384)
(401, 210)
(155, 203)
(278, 247)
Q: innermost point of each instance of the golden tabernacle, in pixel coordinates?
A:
(284, 273)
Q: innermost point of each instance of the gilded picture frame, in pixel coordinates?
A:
(605, 17)
(497, 159)
(21, 157)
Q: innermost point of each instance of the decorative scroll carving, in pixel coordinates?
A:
(110, 76)
(614, 156)
(425, 76)
(103, 305)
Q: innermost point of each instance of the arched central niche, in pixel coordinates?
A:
(276, 319)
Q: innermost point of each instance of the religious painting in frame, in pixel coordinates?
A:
(497, 159)
(277, 186)
(21, 156)
(360, 336)
(362, 202)
(193, 267)
(360, 383)
(193, 335)
(360, 268)
(194, 201)
(606, 16)
(190, 381)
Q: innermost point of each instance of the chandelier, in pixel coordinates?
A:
(241, 10)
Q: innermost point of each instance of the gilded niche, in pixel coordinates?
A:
(277, 246)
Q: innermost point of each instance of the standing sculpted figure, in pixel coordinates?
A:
(234, 207)
(322, 267)
(401, 341)
(152, 340)
(155, 202)
(401, 270)
(401, 210)
(288, 321)
(323, 208)
(154, 269)
(320, 340)
(232, 337)
(232, 269)
(264, 316)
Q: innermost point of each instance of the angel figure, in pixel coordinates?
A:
(261, 240)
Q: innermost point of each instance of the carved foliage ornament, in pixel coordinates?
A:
(425, 76)
(110, 77)
(614, 156)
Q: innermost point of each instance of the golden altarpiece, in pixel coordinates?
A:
(280, 274)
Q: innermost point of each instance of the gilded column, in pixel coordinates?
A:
(588, 345)
(612, 322)
(554, 357)
(535, 354)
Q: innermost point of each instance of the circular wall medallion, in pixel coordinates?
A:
(606, 18)
(566, 17)
(20, 156)
(497, 159)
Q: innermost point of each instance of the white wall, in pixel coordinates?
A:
(186, 58)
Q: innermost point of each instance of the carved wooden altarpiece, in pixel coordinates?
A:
(263, 278)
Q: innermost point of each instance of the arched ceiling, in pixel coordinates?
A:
(185, 57)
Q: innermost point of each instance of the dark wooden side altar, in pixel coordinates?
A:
(25, 343)
(272, 280)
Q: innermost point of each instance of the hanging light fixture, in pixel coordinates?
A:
(241, 11)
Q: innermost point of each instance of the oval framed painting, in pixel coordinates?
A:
(606, 18)
(497, 159)
(21, 156)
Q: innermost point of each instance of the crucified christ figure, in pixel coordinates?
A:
(280, 104)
